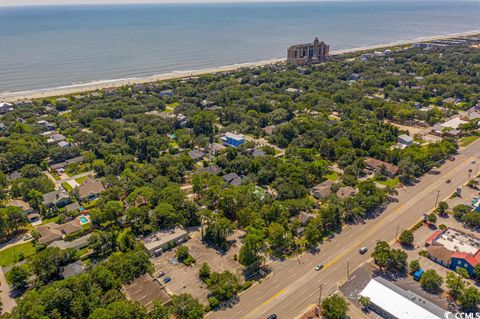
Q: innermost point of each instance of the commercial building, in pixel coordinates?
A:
(164, 240)
(308, 53)
(453, 249)
(232, 139)
(391, 301)
(146, 290)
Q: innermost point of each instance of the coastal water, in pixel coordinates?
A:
(50, 46)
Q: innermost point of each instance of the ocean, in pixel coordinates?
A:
(49, 46)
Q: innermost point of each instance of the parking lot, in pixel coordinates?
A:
(185, 279)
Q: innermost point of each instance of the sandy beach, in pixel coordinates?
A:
(103, 84)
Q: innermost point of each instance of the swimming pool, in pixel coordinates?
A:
(83, 220)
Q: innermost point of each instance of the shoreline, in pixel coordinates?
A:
(114, 83)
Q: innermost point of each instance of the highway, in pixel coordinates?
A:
(294, 286)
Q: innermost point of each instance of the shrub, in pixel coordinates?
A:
(213, 302)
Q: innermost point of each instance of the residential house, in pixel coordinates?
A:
(5, 107)
(196, 155)
(90, 189)
(232, 139)
(212, 169)
(216, 148)
(63, 144)
(381, 167)
(56, 138)
(346, 191)
(168, 93)
(52, 231)
(165, 239)
(47, 125)
(258, 153)
(322, 190)
(13, 176)
(233, 179)
(23, 205)
(58, 198)
(73, 269)
(73, 207)
(405, 140)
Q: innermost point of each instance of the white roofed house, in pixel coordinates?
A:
(5, 107)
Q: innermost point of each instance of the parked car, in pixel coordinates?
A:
(452, 158)
(418, 274)
(363, 250)
(160, 274)
(167, 279)
(448, 181)
(272, 316)
(318, 267)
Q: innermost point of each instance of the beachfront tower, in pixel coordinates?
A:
(308, 53)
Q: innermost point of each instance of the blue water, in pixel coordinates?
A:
(43, 47)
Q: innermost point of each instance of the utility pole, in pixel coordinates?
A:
(436, 200)
(320, 296)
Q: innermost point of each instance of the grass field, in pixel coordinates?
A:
(465, 141)
(392, 182)
(67, 186)
(8, 256)
(80, 180)
(333, 176)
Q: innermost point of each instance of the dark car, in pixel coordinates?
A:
(273, 316)
(161, 274)
(448, 181)
(167, 280)
(363, 250)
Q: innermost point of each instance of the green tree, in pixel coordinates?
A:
(224, 285)
(182, 253)
(186, 307)
(406, 237)
(204, 272)
(431, 281)
(334, 307)
(414, 266)
(17, 277)
(253, 244)
(469, 299)
(364, 301)
(432, 218)
(455, 284)
(442, 208)
(159, 311)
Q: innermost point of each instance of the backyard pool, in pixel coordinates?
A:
(83, 220)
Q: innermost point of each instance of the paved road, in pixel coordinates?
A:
(294, 286)
(8, 303)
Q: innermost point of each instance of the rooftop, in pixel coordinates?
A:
(401, 304)
(454, 123)
(457, 241)
(145, 290)
(163, 236)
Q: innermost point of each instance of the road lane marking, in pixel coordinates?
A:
(278, 294)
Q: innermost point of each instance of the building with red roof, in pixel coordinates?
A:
(453, 248)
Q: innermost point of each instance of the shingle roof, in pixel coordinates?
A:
(90, 186)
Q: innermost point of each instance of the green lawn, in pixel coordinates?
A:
(7, 256)
(392, 182)
(173, 105)
(465, 141)
(333, 176)
(67, 186)
(80, 180)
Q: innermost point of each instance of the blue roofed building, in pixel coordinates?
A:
(232, 139)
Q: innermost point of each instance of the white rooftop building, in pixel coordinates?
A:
(454, 240)
(454, 123)
(391, 301)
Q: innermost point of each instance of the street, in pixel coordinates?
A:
(294, 285)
